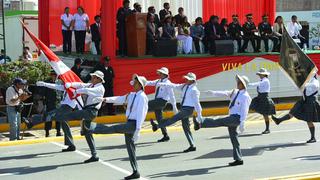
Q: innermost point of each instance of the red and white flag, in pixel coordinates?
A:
(63, 71)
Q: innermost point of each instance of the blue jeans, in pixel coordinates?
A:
(14, 119)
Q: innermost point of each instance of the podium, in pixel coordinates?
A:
(136, 29)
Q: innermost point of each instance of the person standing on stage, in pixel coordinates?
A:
(238, 111)
(122, 15)
(66, 21)
(95, 30)
(136, 113)
(190, 102)
(249, 30)
(234, 30)
(81, 26)
(267, 33)
(162, 97)
(263, 104)
(306, 109)
(165, 12)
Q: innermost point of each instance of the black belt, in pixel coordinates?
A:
(132, 120)
(91, 106)
(187, 107)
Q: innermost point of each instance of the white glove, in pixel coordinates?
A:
(136, 135)
(68, 85)
(131, 83)
(175, 110)
(40, 83)
(99, 99)
(241, 127)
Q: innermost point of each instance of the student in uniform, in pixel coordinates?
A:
(136, 113)
(263, 104)
(190, 102)
(162, 97)
(238, 111)
(306, 109)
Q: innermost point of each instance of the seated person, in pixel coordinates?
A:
(294, 28)
(266, 33)
(249, 30)
(179, 17)
(234, 30)
(212, 33)
(4, 58)
(184, 35)
(197, 33)
(224, 29)
(277, 31)
(152, 33)
(168, 31)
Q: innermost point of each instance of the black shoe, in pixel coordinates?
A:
(312, 140)
(164, 139)
(190, 149)
(69, 149)
(266, 132)
(27, 122)
(58, 134)
(236, 163)
(154, 125)
(196, 124)
(275, 119)
(47, 134)
(92, 159)
(134, 175)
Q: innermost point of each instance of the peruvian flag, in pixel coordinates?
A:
(63, 71)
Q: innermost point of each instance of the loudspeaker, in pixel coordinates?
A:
(224, 47)
(165, 48)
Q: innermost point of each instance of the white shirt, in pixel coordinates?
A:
(67, 20)
(80, 22)
(294, 29)
(93, 92)
(12, 94)
(241, 105)
(165, 93)
(312, 86)
(139, 108)
(191, 98)
(263, 86)
(66, 99)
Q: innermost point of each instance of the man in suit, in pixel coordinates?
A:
(95, 29)
(152, 33)
(179, 17)
(152, 11)
(137, 8)
(212, 33)
(122, 14)
(267, 33)
(164, 12)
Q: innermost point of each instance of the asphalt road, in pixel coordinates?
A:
(283, 152)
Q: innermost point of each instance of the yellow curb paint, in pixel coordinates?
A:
(303, 176)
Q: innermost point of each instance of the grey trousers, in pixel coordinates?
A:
(232, 122)
(128, 130)
(87, 115)
(157, 105)
(183, 115)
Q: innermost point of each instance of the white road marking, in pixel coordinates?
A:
(100, 161)
(8, 174)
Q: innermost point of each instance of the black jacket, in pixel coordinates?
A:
(163, 14)
(95, 33)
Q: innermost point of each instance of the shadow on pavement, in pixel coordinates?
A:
(150, 157)
(310, 158)
(242, 136)
(29, 156)
(123, 146)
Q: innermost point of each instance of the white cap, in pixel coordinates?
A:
(99, 74)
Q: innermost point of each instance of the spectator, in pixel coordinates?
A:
(277, 31)
(95, 30)
(81, 26)
(224, 28)
(179, 17)
(152, 11)
(212, 33)
(152, 34)
(184, 35)
(76, 68)
(122, 14)
(14, 97)
(249, 30)
(26, 56)
(234, 30)
(168, 28)
(66, 21)
(4, 58)
(137, 8)
(294, 28)
(164, 12)
(266, 33)
(197, 33)
(51, 103)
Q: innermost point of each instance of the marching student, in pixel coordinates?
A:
(190, 102)
(306, 109)
(162, 97)
(238, 111)
(136, 113)
(263, 104)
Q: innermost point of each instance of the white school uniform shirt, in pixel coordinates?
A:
(191, 98)
(241, 105)
(263, 86)
(80, 22)
(67, 20)
(165, 93)
(294, 29)
(312, 86)
(139, 107)
(93, 91)
(66, 99)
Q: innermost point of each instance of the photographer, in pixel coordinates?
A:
(15, 95)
